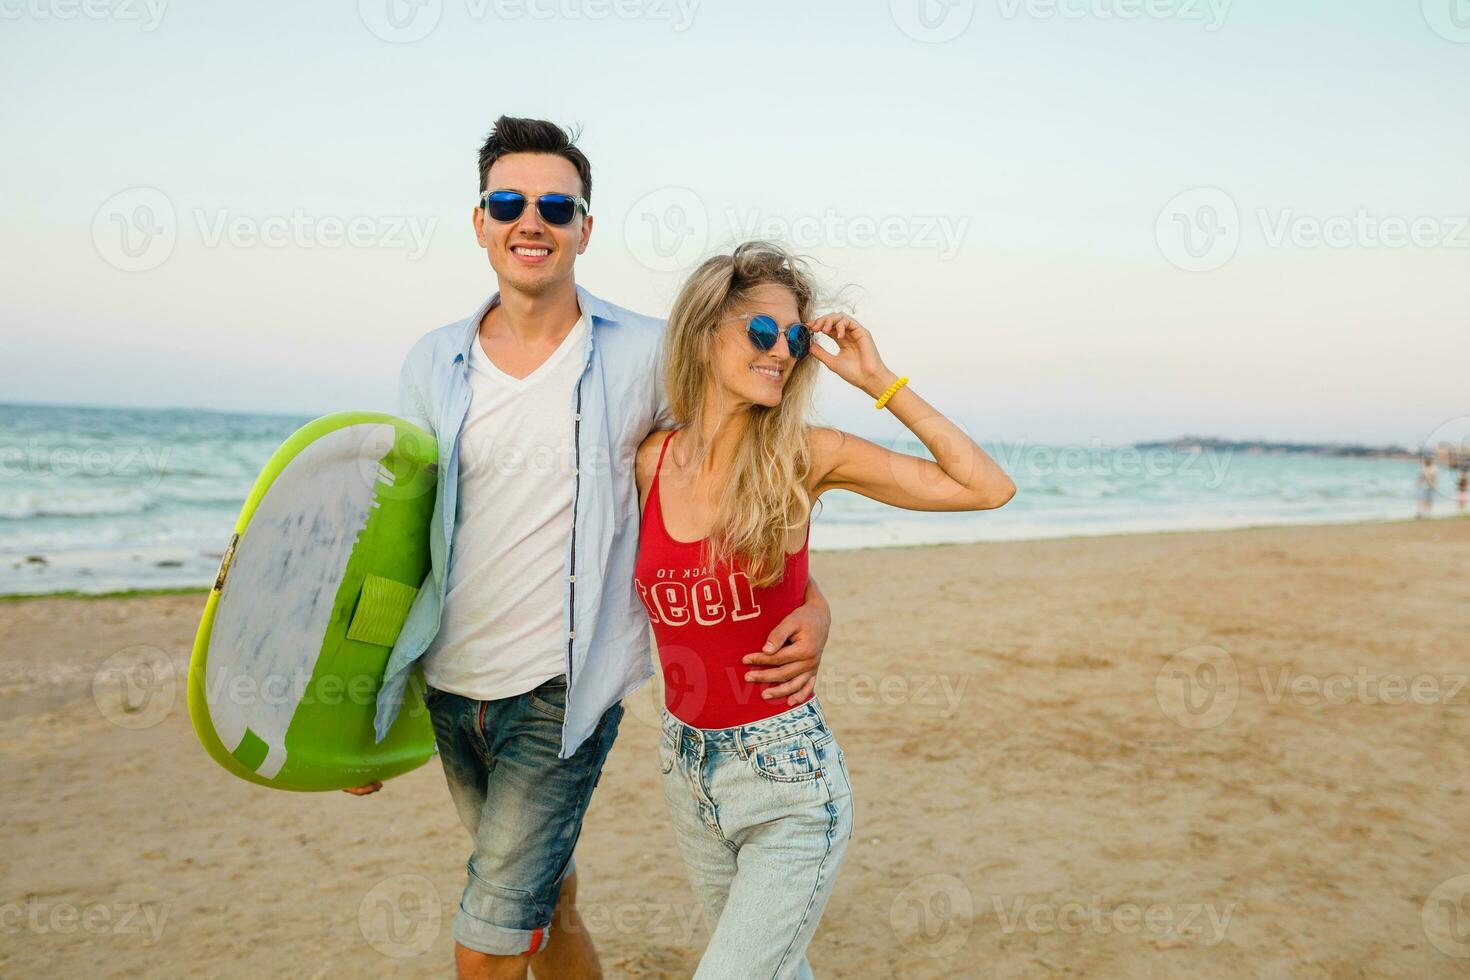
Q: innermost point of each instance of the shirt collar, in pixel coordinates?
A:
(596, 310)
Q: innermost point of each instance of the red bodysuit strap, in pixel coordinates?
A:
(652, 500)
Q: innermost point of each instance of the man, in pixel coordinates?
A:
(528, 627)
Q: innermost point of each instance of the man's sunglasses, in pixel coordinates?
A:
(555, 209)
(763, 331)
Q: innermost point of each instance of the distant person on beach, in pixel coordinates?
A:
(528, 630)
(1428, 482)
(1462, 488)
(757, 790)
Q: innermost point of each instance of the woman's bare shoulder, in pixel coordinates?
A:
(645, 461)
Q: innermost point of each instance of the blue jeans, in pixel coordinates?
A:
(763, 816)
(522, 805)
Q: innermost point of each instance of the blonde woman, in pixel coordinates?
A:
(757, 790)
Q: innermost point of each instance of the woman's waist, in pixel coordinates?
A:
(805, 717)
(721, 641)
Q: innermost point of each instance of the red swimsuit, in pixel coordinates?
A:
(706, 619)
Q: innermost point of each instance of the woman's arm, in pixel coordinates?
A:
(962, 476)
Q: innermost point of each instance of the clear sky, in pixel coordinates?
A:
(1067, 221)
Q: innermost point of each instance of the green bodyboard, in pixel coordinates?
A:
(326, 561)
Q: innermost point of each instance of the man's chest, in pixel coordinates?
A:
(519, 433)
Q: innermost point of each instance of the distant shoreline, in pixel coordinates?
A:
(1199, 444)
(204, 590)
(1185, 443)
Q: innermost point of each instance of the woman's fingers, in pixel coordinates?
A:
(837, 325)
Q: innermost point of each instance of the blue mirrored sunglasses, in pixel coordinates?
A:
(763, 332)
(555, 209)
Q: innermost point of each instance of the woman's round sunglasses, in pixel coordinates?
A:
(763, 331)
(555, 209)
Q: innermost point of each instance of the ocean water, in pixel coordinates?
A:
(103, 499)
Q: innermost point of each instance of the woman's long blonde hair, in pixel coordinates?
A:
(765, 495)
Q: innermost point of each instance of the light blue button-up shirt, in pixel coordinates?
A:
(617, 401)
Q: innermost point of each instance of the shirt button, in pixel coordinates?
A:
(571, 578)
(576, 416)
(572, 635)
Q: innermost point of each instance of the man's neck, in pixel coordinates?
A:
(533, 318)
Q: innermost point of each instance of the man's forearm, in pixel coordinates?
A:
(814, 596)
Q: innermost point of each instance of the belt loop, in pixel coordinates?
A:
(740, 749)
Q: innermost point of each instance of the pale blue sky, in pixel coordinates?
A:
(1020, 167)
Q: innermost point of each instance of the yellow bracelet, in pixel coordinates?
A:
(891, 391)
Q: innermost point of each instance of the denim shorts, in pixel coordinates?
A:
(763, 816)
(522, 805)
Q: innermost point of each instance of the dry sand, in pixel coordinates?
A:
(1057, 774)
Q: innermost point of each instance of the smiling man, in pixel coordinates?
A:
(528, 628)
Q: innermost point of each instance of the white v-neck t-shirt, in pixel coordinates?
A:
(502, 631)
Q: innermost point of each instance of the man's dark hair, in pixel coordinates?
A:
(512, 135)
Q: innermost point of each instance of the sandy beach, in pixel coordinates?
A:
(1226, 754)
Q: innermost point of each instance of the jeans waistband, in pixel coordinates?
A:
(740, 739)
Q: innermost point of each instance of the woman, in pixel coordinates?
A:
(757, 789)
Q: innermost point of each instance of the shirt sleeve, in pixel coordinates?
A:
(411, 401)
(662, 417)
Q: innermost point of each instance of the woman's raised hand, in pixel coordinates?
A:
(856, 361)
